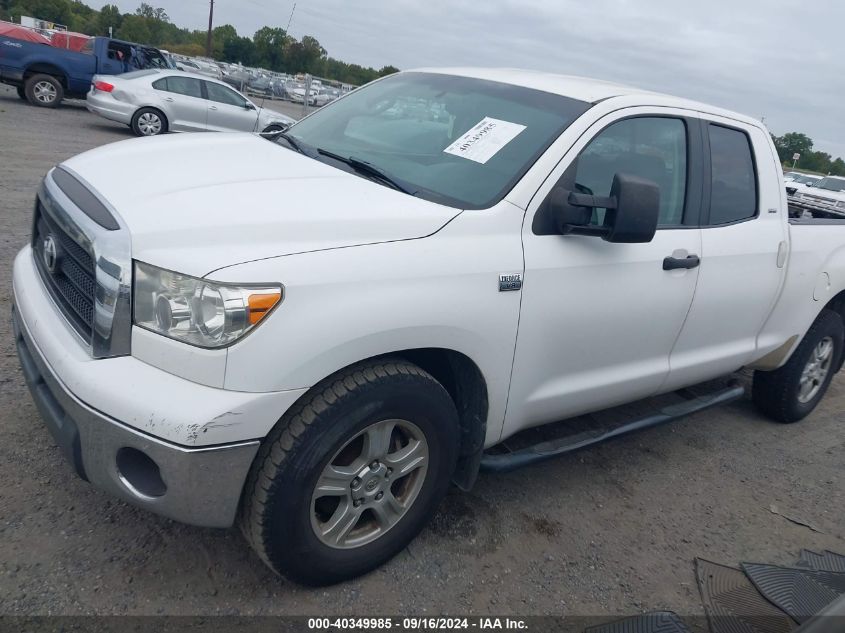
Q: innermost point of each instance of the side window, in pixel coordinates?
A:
(185, 86)
(733, 190)
(161, 84)
(222, 94)
(654, 148)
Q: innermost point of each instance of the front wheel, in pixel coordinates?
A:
(44, 91)
(349, 477)
(791, 393)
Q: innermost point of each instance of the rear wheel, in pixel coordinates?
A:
(44, 91)
(149, 122)
(347, 479)
(791, 393)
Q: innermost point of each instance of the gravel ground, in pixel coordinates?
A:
(608, 531)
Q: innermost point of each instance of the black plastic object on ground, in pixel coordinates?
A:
(801, 593)
(826, 561)
(654, 622)
(733, 604)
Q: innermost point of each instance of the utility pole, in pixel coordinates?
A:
(210, 23)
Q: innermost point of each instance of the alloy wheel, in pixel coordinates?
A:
(816, 370)
(44, 91)
(369, 484)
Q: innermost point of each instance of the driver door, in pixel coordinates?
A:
(228, 111)
(599, 319)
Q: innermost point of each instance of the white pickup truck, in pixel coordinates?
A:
(313, 337)
(824, 198)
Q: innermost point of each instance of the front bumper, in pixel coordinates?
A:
(200, 486)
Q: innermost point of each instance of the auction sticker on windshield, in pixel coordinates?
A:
(484, 140)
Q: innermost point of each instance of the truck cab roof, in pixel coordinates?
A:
(583, 88)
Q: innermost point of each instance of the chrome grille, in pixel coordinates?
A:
(71, 278)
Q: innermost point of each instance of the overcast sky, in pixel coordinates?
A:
(781, 59)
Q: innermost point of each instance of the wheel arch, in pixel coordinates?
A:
(837, 304)
(45, 68)
(466, 386)
(462, 378)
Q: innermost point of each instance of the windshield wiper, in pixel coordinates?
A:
(296, 145)
(363, 167)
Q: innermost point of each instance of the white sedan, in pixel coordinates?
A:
(152, 102)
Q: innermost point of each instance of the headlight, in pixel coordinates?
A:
(840, 205)
(198, 311)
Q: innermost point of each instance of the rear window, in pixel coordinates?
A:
(733, 191)
(180, 85)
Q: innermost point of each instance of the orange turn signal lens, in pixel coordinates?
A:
(261, 304)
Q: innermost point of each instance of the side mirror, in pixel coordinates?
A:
(249, 106)
(632, 210)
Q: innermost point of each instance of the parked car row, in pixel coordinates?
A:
(822, 197)
(198, 66)
(44, 74)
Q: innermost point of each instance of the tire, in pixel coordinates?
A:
(287, 521)
(44, 91)
(271, 132)
(791, 393)
(21, 92)
(149, 122)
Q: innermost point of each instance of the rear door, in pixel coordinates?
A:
(743, 252)
(183, 103)
(228, 111)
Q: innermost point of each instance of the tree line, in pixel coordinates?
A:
(270, 48)
(796, 143)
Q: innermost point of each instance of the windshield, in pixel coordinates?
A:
(458, 141)
(805, 180)
(831, 184)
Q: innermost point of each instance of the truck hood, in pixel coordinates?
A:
(195, 203)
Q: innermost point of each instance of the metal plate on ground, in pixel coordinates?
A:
(826, 561)
(655, 622)
(733, 604)
(799, 592)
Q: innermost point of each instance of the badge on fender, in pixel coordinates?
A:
(510, 281)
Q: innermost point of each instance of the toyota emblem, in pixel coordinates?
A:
(51, 253)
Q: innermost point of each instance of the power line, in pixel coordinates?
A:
(290, 19)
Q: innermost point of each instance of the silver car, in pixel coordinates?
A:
(152, 102)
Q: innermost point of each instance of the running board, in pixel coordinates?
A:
(506, 462)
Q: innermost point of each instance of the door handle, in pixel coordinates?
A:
(212, 107)
(673, 263)
(170, 99)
